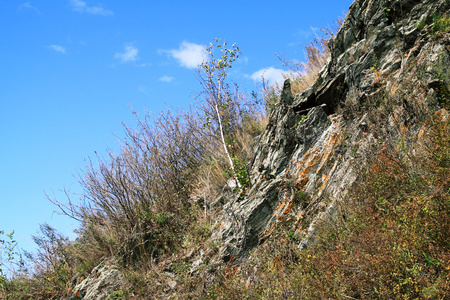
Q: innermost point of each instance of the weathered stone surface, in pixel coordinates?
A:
(368, 39)
(304, 100)
(102, 282)
(321, 154)
(286, 94)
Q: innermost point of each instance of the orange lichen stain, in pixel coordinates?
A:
(403, 129)
(442, 114)
(288, 208)
(324, 183)
(328, 153)
(420, 134)
(302, 181)
(273, 226)
(306, 170)
(300, 229)
(376, 78)
(281, 205)
(394, 89)
(316, 158)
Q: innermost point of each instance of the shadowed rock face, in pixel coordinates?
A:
(313, 155)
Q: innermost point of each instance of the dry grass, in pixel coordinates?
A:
(304, 74)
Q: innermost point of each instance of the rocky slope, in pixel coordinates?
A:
(317, 142)
(303, 166)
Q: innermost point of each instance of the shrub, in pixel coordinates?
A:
(138, 205)
(440, 24)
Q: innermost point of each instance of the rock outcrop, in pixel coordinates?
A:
(104, 280)
(303, 166)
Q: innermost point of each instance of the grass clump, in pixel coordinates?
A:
(304, 74)
(440, 24)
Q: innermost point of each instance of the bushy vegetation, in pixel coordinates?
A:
(12, 265)
(138, 206)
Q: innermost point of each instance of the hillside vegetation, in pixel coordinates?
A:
(348, 164)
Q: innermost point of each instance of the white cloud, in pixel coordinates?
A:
(58, 48)
(129, 54)
(166, 79)
(243, 60)
(271, 75)
(304, 34)
(27, 5)
(189, 55)
(82, 7)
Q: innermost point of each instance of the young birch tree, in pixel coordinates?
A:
(212, 74)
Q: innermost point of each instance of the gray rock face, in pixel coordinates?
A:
(368, 39)
(102, 282)
(319, 155)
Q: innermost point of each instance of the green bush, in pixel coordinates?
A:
(440, 24)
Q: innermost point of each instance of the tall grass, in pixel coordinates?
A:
(304, 73)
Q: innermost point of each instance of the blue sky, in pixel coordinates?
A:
(71, 70)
